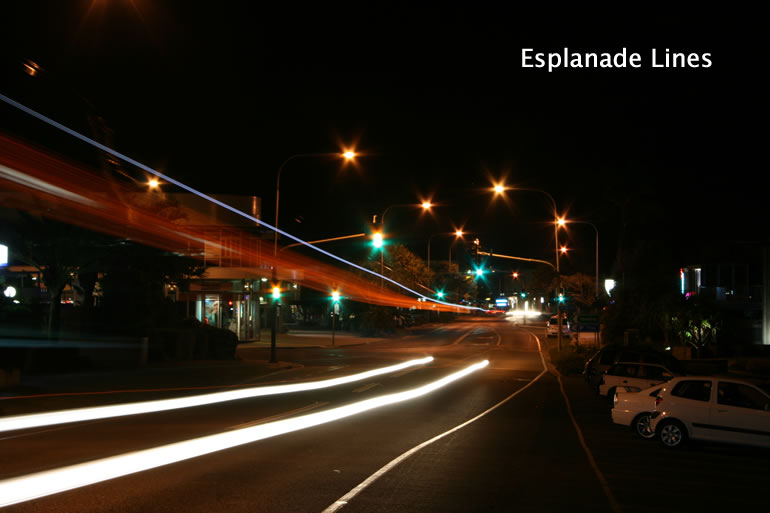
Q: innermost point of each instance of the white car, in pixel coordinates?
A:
(552, 326)
(632, 377)
(634, 409)
(711, 408)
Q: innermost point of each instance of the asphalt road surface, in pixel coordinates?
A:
(499, 439)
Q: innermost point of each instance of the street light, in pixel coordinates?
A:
(378, 236)
(499, 189)
(348, 156)
(457, 233)
(596, 240)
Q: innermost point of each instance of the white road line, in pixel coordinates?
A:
(342, 501)
(365, 388)
(614, 506)
(279, 416)
(462, 337)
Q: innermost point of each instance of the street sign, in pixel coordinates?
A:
(588, 323)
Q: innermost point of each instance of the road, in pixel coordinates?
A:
(520, 452)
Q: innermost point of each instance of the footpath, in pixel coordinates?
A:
(157, 380)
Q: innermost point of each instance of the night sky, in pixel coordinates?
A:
(219, 95)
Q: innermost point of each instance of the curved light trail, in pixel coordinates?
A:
(41, 484)
(119, 410)
(138, 164)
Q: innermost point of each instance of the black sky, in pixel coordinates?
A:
(219, 95)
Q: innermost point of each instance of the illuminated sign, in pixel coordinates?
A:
(501, 301)
(3, 255)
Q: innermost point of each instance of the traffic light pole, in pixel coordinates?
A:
(274, 327)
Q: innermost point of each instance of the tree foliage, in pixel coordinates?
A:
(580, 287)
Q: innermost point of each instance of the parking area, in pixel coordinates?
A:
(646, 476)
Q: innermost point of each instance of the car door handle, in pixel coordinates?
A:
(722, 411)
(625, 381)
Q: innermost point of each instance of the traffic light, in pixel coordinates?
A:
(561, 298)
(377, 239)
(440, 294)
(276, 292)
(335, 297)
(523, 293)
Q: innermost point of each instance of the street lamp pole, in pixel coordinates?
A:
(349, 156)
(456, 233)
(500, 189)
(425, 205)
(596, 249)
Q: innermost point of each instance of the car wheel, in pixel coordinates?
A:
(672, 433)
(611, 396)
(641, 425)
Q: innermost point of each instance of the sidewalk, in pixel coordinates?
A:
(312, 338)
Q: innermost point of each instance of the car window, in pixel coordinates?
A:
(743, 396)
(652, 373)
(652, 358)
(655, 392)
(608, 357)
(693, 389)
(630, 356)
(624, 370)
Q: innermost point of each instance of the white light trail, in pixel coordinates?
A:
(41, 484)
(119, 410)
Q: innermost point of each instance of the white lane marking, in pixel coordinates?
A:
(265, 420)
(342, 501)
(462, 337)
(365, 388)
(103, 412)
(40, 484)
(614, 506)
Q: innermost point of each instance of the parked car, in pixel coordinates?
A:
(634, 409)
(632, 377)
(552, 326)
(711, 408)
(607, 356)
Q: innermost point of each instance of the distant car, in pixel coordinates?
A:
(634, 409)
(552, 326)
(610, 355)
(711, 408)
(632, 377)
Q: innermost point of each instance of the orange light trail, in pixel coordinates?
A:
(40, 183)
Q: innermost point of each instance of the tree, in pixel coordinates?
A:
(580, 287)
(696, 322)
(407, 268)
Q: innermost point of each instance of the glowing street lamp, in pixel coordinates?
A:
(458, 233)
(153, 183)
